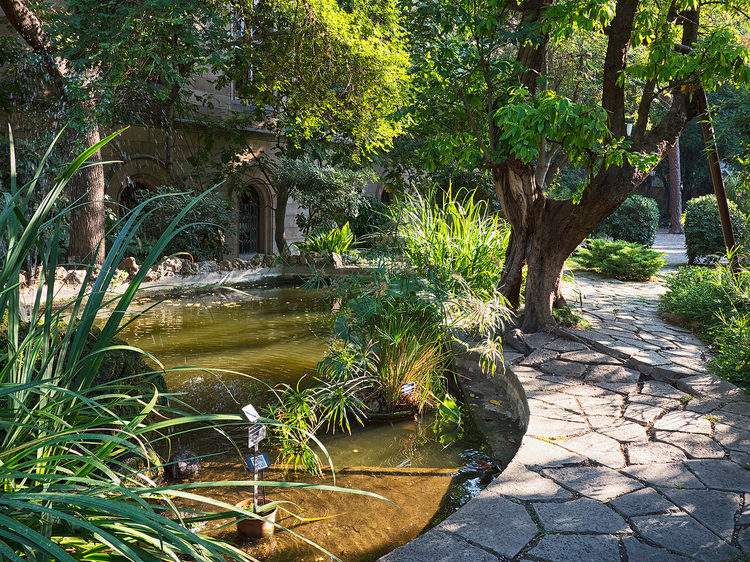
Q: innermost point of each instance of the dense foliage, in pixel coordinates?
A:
(523, 90)
(636, 221)
(703, 235)
(329, 195)
(206, 224)
(619, 259)
(437, 273)
(81, 451)
(715, 303)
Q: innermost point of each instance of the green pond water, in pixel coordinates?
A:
(245, 342)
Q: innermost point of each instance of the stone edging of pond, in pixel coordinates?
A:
(626, 456)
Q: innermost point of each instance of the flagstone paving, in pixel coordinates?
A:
(633, 451)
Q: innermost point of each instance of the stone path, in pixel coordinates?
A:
(633, 452)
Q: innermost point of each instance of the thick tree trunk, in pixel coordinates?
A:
(86, 186)
(675, 193)
(536, 243)
(87, 228)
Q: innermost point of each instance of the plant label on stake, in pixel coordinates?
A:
(259, 464)
(263, 462)
(255, 434)
(251, 413)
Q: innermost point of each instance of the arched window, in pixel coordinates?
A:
(127, 199)
(249, 223)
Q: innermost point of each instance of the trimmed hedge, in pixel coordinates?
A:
(636, 221)
(703, 235)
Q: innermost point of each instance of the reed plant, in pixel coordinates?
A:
(69, 491)
(455, 239)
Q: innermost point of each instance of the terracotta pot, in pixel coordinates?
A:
(253, 528)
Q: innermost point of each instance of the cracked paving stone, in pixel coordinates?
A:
(655, 401)
(563, 345)
(544, 427)
(741, 408)
(560, 400)
(664, 475)
(612, 374)
(642, 413)
(564, 368)
(595, 446)
(721, 475)
(590, 357)
(711, 386)
(662, 389)
(517, 481)
(681, 533)
(685, 422)
(714, 509)
(593, 406)
(620, 429)
(695, 446)
(539, 453)
(653, 453)
(599, 483)
(583, 515)
(645, 501)
(438, 547)
(538, 356)
(581, 548)
(539, 407)
(732, 438)
(494, 523)
(640, 552)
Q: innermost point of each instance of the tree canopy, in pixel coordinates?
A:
(518, 88)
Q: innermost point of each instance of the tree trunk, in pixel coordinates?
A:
(282, 198)
(87, 228)
(86, 186)
(675, 193)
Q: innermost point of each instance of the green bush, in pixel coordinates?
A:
(715, 303)
(372, 218)
(619, 259)
(732, 349)
(636, 221)
(336, 240)
(205, 225)
(458, 241)
(703, 235)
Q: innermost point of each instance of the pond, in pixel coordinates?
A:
(250, 340)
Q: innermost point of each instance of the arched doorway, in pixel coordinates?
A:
(127, 199)
(249, 222)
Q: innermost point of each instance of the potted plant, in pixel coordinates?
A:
(253, 527)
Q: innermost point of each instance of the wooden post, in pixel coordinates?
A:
(718, 181)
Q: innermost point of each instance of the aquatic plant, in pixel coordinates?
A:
(78, 466)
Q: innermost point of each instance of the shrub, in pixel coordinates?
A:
(732, 348)
(336, 240)
(636, 221)
(703, 234)
(459, 242)
(716, 304)
(372, 218)
(205, 225)
(619, 259)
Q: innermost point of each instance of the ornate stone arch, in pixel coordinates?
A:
(139, 171)
(254, 202)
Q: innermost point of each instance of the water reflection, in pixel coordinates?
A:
(242, 340)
